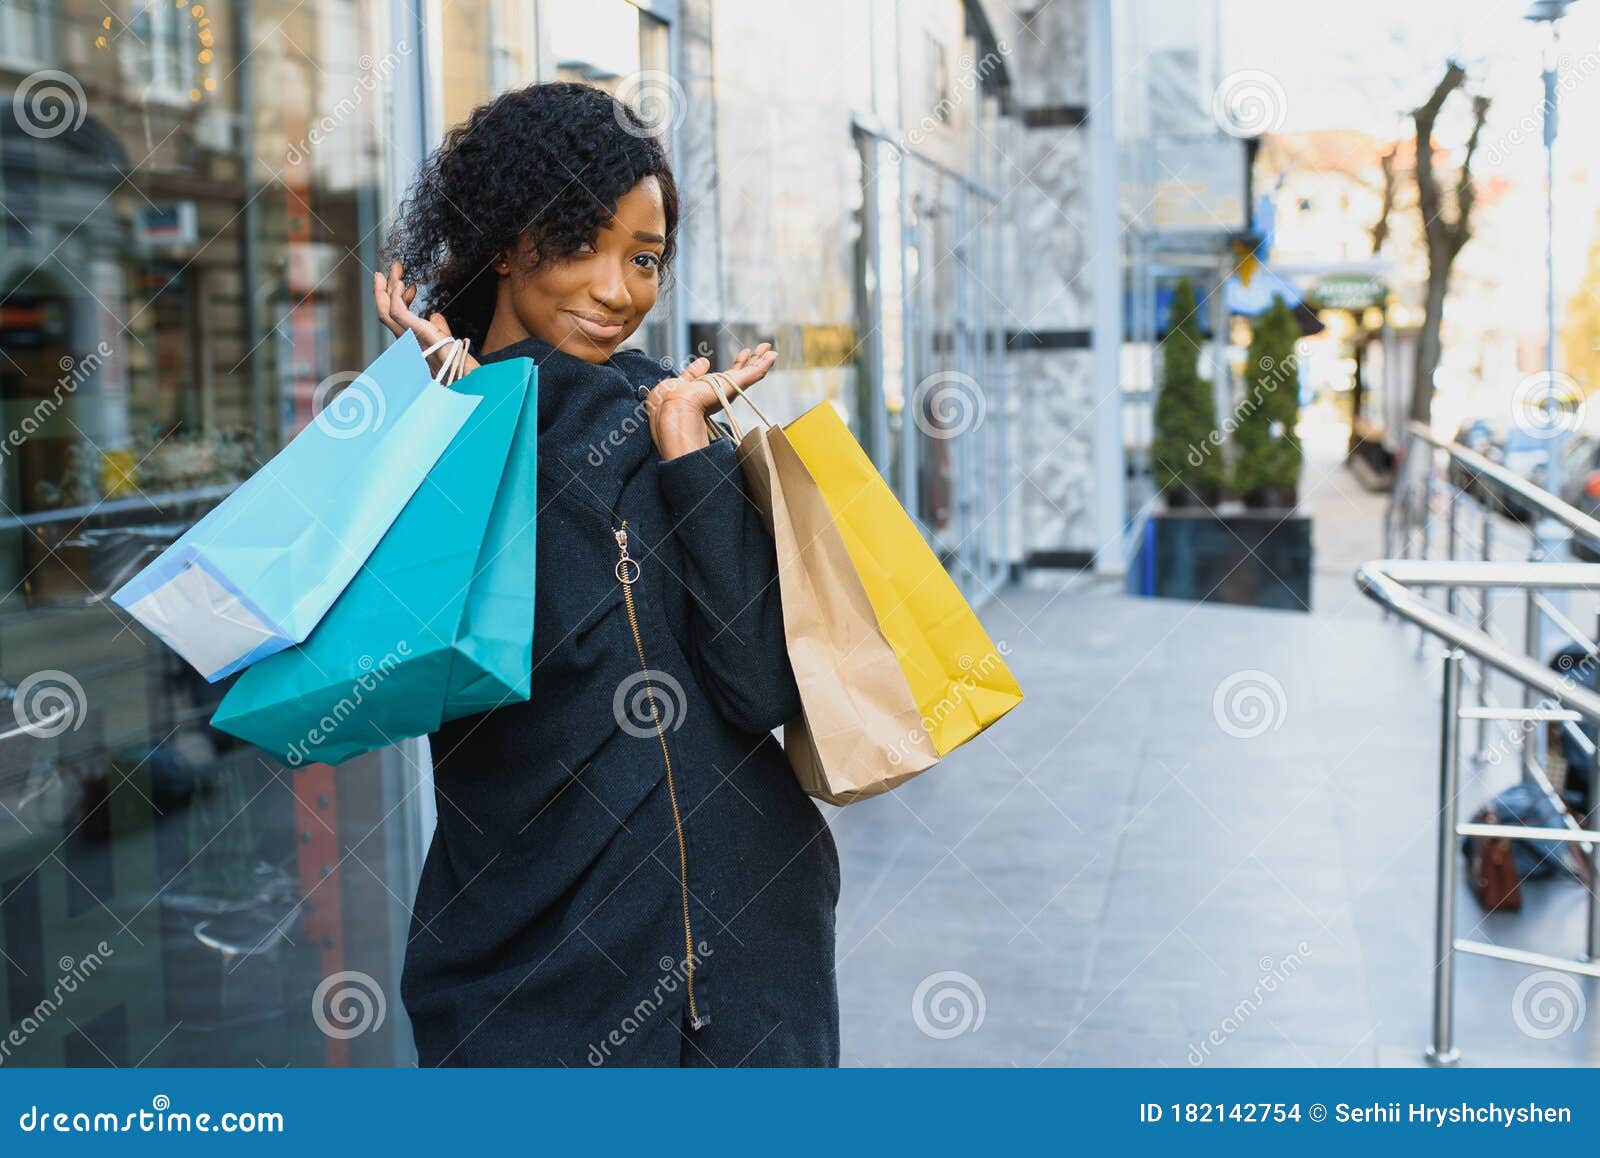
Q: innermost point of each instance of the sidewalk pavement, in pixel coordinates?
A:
(1208, 836)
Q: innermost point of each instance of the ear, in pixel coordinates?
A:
(519, 252)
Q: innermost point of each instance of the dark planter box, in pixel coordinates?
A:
(1256, 558)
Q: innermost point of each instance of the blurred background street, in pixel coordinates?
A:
(1163, 867)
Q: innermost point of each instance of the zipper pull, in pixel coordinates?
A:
(627, 568)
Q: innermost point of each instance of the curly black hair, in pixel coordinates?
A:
(548, 162)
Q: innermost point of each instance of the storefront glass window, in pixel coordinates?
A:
(187, 254)
(489, 46)
(615, 46)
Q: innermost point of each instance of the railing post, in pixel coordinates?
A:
(1427, 524)
(1427, 499)
(1592, 814)
(1532, 625)
(1443, 1051)
(1485, 601)
(1452, 541)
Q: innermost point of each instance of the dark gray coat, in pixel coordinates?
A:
(549, 925)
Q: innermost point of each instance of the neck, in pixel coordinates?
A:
(505, 329)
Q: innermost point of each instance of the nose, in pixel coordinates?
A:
(610, 286)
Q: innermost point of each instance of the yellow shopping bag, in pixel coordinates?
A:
(894, 669)
(957, 675)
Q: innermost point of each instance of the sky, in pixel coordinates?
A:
(1365, 64)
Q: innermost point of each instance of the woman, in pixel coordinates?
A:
(624, 869)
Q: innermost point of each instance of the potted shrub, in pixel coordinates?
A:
(1186, 453)
(1268, 456)
(1256, 557)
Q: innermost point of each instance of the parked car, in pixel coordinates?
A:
(1476, 434)
(1580, 485)
(1519, 451)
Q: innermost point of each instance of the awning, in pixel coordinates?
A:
(1254, 297)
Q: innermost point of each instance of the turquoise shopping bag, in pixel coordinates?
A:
(439, 623)
(262, 568)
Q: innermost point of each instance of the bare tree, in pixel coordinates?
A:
(1380, 228)
(1378, 231)
(1444, 235)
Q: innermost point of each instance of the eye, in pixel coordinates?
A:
(649, 261)
(587, 247)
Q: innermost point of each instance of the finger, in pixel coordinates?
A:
(396, 278)
(695, 369)
(744, 356)
(755, 370)
(380, 297)
(399, 307)
(411, 294)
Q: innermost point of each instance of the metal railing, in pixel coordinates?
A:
(1399, 584)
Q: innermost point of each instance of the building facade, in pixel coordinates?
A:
(194, 198)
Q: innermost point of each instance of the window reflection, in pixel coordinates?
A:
(185, 259)
(186, 256)
(488, 48)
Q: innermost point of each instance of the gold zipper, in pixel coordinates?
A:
(627, 570)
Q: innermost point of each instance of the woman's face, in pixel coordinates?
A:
(588, 304)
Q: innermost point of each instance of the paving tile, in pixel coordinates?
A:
(1116, 872)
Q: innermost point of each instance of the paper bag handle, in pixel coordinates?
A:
(455, 361)
(720, 383)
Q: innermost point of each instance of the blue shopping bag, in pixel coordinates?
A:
(259, 571)
(439, 622)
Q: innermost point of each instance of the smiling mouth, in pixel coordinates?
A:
(597, 326)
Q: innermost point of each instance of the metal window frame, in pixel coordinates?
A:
(980, 560)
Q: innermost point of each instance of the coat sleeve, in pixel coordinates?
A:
(737, 642)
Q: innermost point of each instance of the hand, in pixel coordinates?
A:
(677, 407)
(393, 299)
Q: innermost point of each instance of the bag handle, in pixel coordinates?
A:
(455, 361)
(723, 385)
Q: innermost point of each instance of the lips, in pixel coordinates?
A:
(597, 326)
